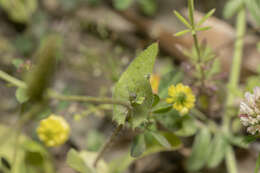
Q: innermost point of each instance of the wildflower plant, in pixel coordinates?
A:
(159, 109)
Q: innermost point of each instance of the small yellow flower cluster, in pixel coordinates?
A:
(181, 97)
(53, 131)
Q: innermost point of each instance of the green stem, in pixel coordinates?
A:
(11, 79)
(55, 95)
(230, 160)
(107, 144)
(233, 85)
(197, 47)
(236, 65)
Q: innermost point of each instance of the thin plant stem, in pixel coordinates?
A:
(12, 80)
(236, 66)
(55, 95)
(107, 144)
(230, 160)
(233, 85)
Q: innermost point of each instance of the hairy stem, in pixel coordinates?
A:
(12, 80)
(107, 144)
(55, 95)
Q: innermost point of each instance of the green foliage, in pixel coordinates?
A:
(95, 140)
(190, 24)
(83, 162)
(161, 141)
(19, 11)
(134, 82)
(122, 4)
(217, 150)
(31, 158)
(148, 7)
(232, 7)
(200, 150)
(138, 146)
(21, 95)
(254, 9)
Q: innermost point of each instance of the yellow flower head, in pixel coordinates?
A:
(53, 131)
(181, 97)
(154, 81)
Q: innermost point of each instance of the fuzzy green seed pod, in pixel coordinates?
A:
(39, 78)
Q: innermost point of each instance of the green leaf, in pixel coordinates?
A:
(161, 139)
(75, 161)
(138, 146)
(134, 81)
(163, 109)
(203, 28)
(21, 95)
(257, 164)
(180, 33)
(238, 141)
(254, 8)
(210, 13)
(217, 151)
(250, 138)
(232, 7)
(182, 19)
(32, 157)
(154, 143)
(200, 150)
(148, 7)
(122, 4)
(156, 100)
(187, 127)
(83, 162)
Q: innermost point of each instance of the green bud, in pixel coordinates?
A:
(39, 78)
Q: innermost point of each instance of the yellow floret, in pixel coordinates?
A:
(53, 131)
(181, 97)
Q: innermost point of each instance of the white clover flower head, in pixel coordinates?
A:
(250, 111)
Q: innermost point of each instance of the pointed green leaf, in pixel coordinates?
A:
(210, 13)
(21, 95)
(182, 32)
(217, 151)
(134, 81)
(182, 19)
(191, 10)
(203, 28)
(76, 162)
(156, 100)
(200, 150)
(161, 139)
(138, 146)
(154, 144)
(162, 109)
